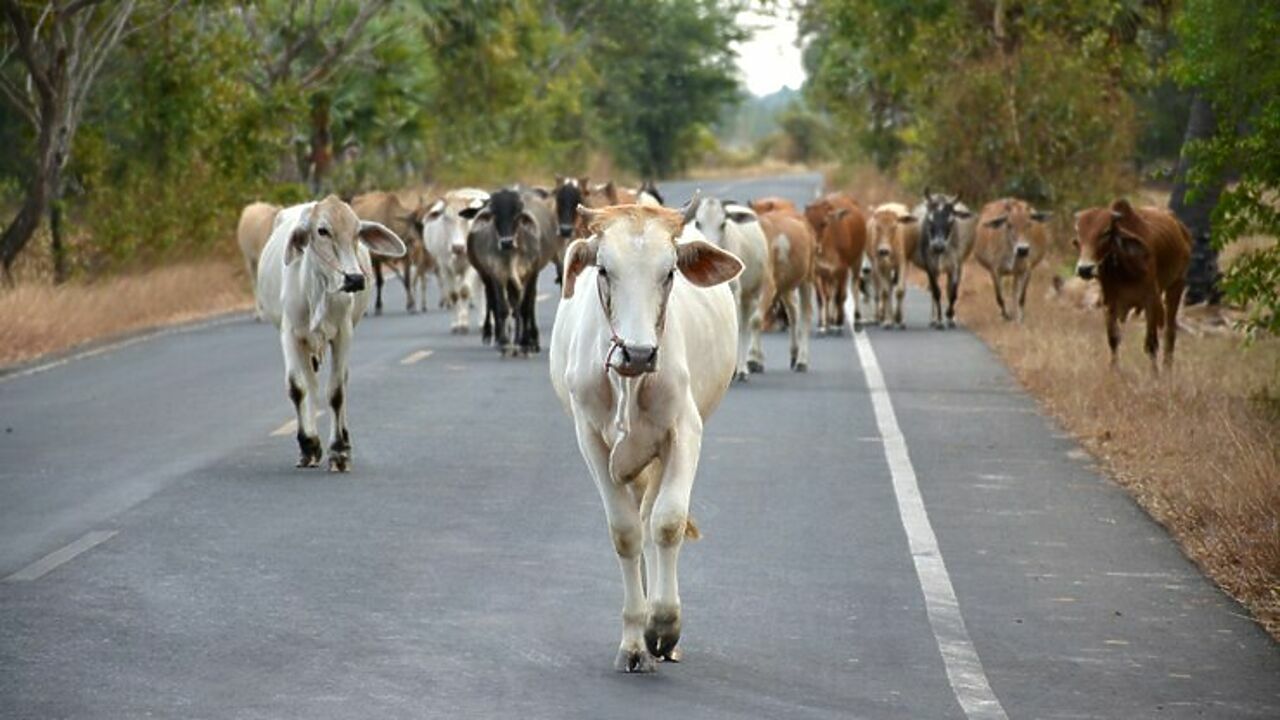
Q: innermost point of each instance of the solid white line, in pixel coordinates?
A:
(44, 565)
(964, 668)
(288, 428)
(416, 356)
(111, 347)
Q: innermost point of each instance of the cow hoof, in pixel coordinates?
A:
(310, 451)
(837, 331)
(411, 310)
(662, 633)
(857, 327)
(801, 367)
(741, 376)
(755, 366)
(951, 323)
(464, 330)
(902, 326)
(510, 351)
(377, 311)
(340, 462)
(635, 661)
(675, 656)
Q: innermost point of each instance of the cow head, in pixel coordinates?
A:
(648, 187)
(569, 194)
(1109, 235)
(634, 251)
(883, 241)
(940, 215)
(1015, 223)
(325, 240)
(509, 217)
(451, 217)
(711, 215)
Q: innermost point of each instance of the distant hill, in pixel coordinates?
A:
(755, 118)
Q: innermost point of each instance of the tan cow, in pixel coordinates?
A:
(772, 203)
(1012, 239)
(892, 234)
(252, 233)
(792, 255)
(1138, 255)
(386, 208)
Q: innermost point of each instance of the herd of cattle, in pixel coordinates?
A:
(660, 310)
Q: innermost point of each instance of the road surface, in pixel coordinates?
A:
(924, 546)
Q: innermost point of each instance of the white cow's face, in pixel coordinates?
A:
(325, 240)
(636, 257)
(712, 216)
(451, 218)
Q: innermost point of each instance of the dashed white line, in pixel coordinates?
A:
(288, 428)
(417, 356)
(964, 669)
(542, 296)
(48, 563)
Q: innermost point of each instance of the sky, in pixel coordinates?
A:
(770, 59)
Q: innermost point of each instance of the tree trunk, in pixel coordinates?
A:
(58, 249)
(1196, 211)
(321, 156)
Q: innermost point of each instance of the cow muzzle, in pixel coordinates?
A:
(634, 360)
(937, 247)
(566, 231)
(353, 282)
(507, 243)
(882, 251)
(1085, 270)
(1021, 250)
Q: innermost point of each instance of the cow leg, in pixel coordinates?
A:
(377, 281)
(997, 282)
(501, 316)
(475, 291)
(406, 277)
(625, 529)
(667, 524)
(841, 295)
(899, 294)
(820, 289)
(1021, 281)
(532, 340)
(339, 437)
(1155, 318)
(300, 377)
(745, 335)
(1113, 334)
(953, 293)
(882, 289)
(857, 304)
(491, 304)
(1172, 299)
(806, 321)
(935, 293)
(792, 313)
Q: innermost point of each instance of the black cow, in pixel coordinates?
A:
(512, 239)
(947, 229)
(570, 192)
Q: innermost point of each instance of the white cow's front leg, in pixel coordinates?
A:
(339, 437)
(300, 363)
(744, 334)
(625, 530)
(667, 524)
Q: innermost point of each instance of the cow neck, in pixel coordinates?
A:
(615, 340)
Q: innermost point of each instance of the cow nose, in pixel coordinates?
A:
(636, 359)
(458, 249)
(1085, 270)
(882, 251)
(566, 230)
(352, 282)
(1022, 250)
(506, 243)
(937, 246)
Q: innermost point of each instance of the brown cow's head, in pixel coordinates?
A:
(882, 232)
(635, 253)
(1015, 224)
(1109, 236)
(325, 239)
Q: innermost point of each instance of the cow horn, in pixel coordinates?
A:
(691, 208)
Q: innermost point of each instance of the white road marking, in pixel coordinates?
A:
(417, 356)
(48, 563)
(111, 347)
(288, 428)
(542, 296)
(964, 668)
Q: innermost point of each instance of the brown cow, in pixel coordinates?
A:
(792, 252)
(1012, 239)
(1137, 254)
(892, 235)
(772, 203)
(386, 208)
(841, 229)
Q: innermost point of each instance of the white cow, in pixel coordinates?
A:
(737, 229)
(444, 229)
(313, 280)
(641, 355)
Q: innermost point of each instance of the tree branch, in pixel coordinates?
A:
(20, 100)
(26, 49)
(335, 53)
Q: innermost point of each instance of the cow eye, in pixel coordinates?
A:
(604, 274)
(1076, 243)
(671, 274)
(324, 232)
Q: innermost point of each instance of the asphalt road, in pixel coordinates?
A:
(161, 557)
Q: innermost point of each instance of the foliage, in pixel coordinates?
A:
(1229, 53)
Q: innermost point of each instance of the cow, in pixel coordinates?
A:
(252, 232)
(1012, 240)
(569, 193)
(313, 284)
(648, 194)
(608, 193)
(512, 239)
(385, 208)
(772, 203)
(642, 352)
(444, 230)
(736, 229)
(947, 230)
(792, 255)
(1075, 293)
(841, 229)
(1137, 255)
(892, 235)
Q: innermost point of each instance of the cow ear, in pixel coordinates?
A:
(1130, 245)
(380, 240)
(962, 214)
(580, 255)
(299, 238)
(436, 209)
(996, 221)
(706, 265)
(584, 184)
(908, 219)
(1040, 215)
(470, 212)
(740, 214)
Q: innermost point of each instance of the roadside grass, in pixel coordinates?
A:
(37, 317)
(1198, 448)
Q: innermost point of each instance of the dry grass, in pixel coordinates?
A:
(38, 318)
(1198, 448)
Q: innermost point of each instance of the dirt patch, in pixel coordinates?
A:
(37, 318)
(1197, 448)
